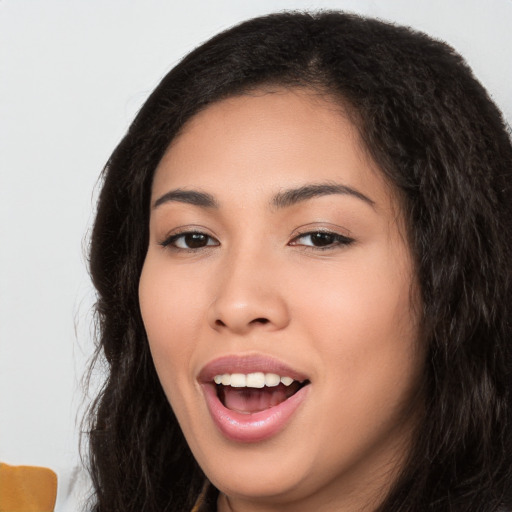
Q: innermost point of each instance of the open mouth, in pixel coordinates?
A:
(255, 392)
(253, 397)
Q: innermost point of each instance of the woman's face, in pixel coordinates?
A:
(277, 254)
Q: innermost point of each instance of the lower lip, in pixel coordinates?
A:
(258, 426)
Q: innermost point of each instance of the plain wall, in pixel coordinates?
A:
(72, 76)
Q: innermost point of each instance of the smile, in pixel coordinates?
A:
(248, 405)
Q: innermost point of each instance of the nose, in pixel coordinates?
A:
(248, 296)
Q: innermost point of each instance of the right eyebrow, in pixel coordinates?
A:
(287, 198)
(193, 197)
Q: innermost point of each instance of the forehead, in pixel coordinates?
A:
(266, 141)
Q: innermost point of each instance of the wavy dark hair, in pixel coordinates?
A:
(441, 143)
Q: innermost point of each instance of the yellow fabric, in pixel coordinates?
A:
(27, 489)
(200, 499)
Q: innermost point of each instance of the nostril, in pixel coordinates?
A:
(260, 321)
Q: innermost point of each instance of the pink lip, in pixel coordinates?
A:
(250, 428)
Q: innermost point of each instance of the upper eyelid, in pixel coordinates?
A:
(311, 229)
(184, 230)
(313, 232)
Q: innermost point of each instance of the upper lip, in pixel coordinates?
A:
(248, 364)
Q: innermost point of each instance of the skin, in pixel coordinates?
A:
(344, 314)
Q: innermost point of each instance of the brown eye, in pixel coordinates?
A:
(192, 240)
(322, 240)
(195, 240)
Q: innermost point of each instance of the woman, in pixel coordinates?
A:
(301, 255)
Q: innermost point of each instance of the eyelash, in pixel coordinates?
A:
(170, 242)
(337, 240)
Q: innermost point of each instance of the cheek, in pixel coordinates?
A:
(364, 326)
(366, 342)
(367, 297)
(170, 311)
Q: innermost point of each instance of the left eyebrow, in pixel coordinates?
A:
(290, 197)
(193, 197)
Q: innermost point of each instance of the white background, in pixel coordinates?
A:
(72, 76)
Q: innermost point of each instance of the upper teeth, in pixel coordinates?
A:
(251, 380)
